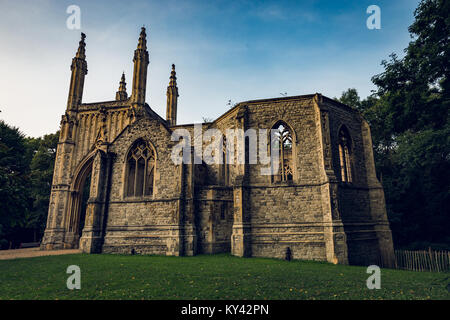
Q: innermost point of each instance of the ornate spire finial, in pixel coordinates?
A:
(142, 43)
(172, 99)
(79, 71)
(123, 84)
(81, 52)
(141, 62)
(173, 77)
(122, 93)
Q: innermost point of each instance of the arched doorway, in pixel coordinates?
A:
(79, 195)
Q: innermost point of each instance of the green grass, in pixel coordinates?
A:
(207, 277)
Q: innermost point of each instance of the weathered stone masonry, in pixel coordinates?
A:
(326, 204)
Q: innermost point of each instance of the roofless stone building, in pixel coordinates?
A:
(324, 203)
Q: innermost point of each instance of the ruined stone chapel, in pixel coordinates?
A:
(324, 203)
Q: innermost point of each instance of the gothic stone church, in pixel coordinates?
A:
(325, 203)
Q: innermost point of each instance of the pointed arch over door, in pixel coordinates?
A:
(73, 214)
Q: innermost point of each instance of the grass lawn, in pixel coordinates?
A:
(207, 277)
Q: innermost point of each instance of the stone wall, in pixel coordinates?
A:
(315, 215)
(287, 214)
(214, 218)
(147, 224)
(361, 202)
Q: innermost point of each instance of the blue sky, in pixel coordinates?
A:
(223, 50)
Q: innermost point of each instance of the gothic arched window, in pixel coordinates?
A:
(345, 162)
(283, 141)
(140, 171)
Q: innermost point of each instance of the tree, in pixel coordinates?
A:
(416, 88)
(26, 171)
(410, 125)
(14, 175)
(351, 98)
(43, 153)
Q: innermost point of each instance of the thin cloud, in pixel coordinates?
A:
(283, 13)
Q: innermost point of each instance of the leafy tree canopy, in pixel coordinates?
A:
(14, 172)
(410, 126)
